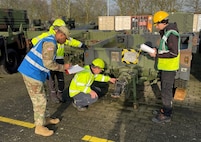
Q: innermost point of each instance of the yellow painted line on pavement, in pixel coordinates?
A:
(17, 122)
(94, 139)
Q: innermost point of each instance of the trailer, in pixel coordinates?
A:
(125, 61)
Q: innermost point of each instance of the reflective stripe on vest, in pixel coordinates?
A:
(35, 52)
(83, 85)
(36, 64)
(87, 84)
(168, 64)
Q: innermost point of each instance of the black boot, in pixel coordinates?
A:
(167, 111)
(59, 96)
(164, 116)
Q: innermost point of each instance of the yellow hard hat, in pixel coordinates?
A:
(98, 63)
(59, 22)
(159, 16)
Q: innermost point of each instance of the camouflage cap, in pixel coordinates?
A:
(64, 30)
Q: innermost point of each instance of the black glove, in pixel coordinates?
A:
(84, 47)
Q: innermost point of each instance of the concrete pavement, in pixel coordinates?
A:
(107, 120)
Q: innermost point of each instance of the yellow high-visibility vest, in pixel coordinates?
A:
(83, 80)
(168, 64)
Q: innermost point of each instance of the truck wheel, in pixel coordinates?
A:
(12, 64)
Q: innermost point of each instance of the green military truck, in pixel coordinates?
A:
(13, 18)
(70, 22)
(13, 43)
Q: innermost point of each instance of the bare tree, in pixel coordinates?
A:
(139, 7)
(38, 9)
(13, 4)
(60, 8)
(69, 9)
(193, 6)
(88, 10)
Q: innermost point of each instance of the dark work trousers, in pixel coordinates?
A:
(83, 99)
(60, 80)
(167, 82)
(59, 76)
(101, 88)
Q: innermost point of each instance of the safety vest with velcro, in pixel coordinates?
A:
(83, 80)
(168, 64)
(32, 65)
(60, 51)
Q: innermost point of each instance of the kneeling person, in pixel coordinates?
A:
(80, 86)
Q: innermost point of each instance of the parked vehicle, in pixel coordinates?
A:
(125, 61)
(13, 42)
(13, 19)
(13, 48)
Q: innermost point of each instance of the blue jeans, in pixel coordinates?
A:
(83, 99)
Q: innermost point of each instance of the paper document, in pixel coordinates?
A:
(146, 48)
(75, 69)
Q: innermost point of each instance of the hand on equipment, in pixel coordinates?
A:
(84, 47)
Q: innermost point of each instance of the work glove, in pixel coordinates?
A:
(84, 47)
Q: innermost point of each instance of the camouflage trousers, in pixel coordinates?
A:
(37, 94)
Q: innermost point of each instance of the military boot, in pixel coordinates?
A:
(43, 131)
(51, 121)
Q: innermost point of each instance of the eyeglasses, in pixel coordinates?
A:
(157, 23)
(163, 21)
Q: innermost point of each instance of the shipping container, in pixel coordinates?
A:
(199, 23)
(122, 23)
(141, 23)
(106, 23)
(196, 22)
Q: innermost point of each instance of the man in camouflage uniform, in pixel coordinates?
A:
(35, 69)
(56, 93)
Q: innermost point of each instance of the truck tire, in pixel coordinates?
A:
(12, 64)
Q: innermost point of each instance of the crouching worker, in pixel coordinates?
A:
(35, 69)
(80, 87)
